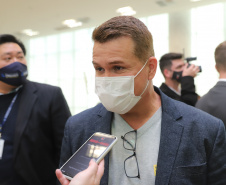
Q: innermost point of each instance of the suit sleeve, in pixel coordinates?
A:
(217, 160)
(66, 151)
(59, 114)
(202, 104)
(188, 94)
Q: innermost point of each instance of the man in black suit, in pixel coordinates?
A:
(179, 78)
(214, 102)
(32, 120)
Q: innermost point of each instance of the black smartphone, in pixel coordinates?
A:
(96, 147)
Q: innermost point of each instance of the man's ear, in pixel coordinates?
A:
(152, 64)
(216, 68)
(167, 73)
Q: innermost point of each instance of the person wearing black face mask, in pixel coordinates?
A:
(32, 120)
(179, 78)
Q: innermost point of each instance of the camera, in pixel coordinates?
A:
(189, 59)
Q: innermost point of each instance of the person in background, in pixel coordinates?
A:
(32, 120)
(214, 102)
(179, 78)
(160, 140)
(90, 176)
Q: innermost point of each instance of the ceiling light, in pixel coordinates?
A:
(195, 0)
(29, 32)
(72, 23)
(126, 11)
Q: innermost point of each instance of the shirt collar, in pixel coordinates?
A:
(222, 80)
(178, 93)
(14, 90)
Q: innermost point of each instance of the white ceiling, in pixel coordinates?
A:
(46, 16)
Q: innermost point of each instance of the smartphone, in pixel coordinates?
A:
(96, 147)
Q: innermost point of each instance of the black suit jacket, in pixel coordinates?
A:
(42, 115)
(188, 94)
(214, 102)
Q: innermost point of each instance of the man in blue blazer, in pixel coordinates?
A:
(169, 141)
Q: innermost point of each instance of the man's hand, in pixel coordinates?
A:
(91, 176)
(192, 70)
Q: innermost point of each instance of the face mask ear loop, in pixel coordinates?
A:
(141, 69)
(145, 88)
(139, 73)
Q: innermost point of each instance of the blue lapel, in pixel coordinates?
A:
(102, 119)
(171, 132)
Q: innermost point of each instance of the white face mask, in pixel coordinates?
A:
(117, 93)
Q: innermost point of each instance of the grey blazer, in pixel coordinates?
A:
(192, 144)
(214, 102)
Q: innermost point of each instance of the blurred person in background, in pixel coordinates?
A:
(179, 78)
(32, 120)
(214, 102)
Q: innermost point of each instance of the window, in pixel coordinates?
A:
(207, 27)
(159, 28)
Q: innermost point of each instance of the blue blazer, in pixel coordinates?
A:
(192, 145)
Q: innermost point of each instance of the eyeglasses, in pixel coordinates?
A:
(131, 167)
